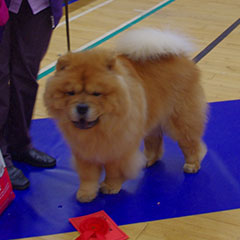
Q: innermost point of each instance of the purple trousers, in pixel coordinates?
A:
(25, 41)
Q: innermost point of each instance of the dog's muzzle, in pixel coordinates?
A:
(84, 124)
(82, 111)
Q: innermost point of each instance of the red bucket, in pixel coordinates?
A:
(6, 192)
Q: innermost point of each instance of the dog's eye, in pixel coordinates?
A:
(70, 93)
(96, 94)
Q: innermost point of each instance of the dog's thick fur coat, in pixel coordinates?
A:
(105, 102)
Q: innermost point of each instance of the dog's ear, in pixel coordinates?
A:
(63, 62)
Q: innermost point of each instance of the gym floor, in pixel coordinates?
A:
(163, 202)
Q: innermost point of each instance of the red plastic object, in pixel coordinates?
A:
(97, 226)
(6, 193)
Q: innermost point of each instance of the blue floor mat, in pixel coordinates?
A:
(161, 191)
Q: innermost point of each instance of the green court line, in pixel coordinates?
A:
(111, 35)
(45, 73)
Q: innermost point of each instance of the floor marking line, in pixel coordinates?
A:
(85, 12)
(124, 26)
(51, 67)
(214, 43)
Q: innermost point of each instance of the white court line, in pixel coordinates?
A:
(138, 10)
(86, 12)
(49, 66)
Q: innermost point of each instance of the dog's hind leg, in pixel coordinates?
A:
(194, 152)
(153, 147)
(187, 129)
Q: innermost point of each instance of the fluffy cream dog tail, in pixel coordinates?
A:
(149, 43)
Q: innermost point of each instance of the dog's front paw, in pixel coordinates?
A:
(107, 188)
(191, 167)
(84, 196)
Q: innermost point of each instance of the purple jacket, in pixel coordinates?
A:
(56, 7)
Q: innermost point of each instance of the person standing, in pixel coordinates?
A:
(24, 42)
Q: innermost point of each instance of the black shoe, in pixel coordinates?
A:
(18, 180)
(35, 158)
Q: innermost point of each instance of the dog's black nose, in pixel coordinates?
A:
(82, 108)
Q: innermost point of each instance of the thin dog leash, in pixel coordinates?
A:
(67, 25)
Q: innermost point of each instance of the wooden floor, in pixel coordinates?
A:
(202, 20)
(214, 226)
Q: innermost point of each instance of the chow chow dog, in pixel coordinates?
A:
(105, 102)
